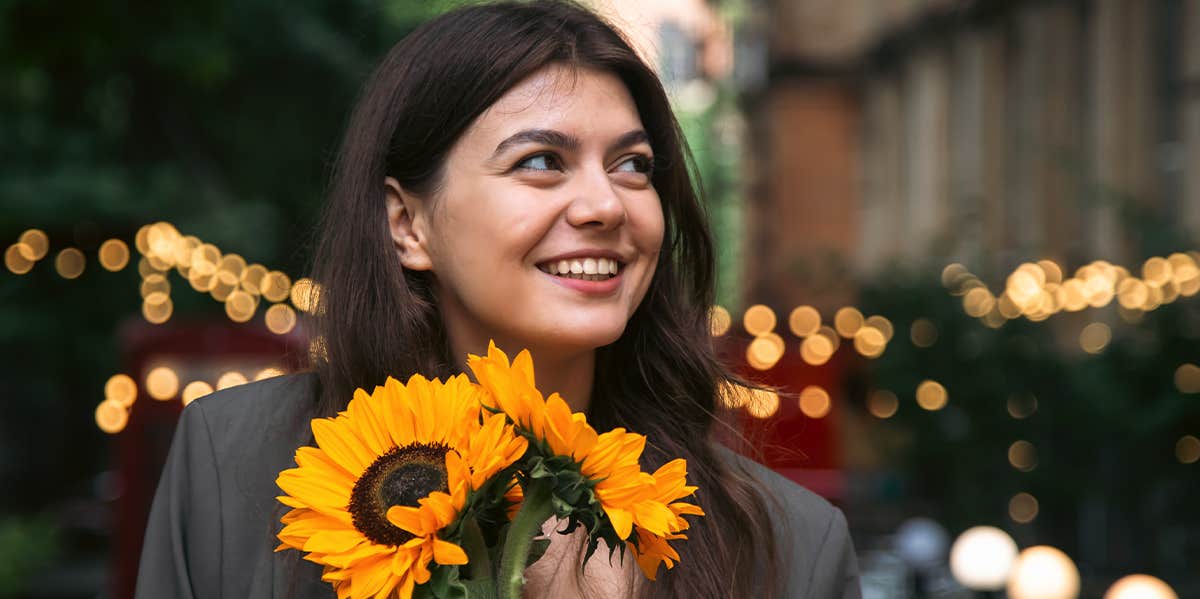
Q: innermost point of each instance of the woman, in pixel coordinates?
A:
(511, 172)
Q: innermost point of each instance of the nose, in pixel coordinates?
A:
(596, 204)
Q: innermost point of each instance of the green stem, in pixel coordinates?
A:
(479, 565)
(535, 509)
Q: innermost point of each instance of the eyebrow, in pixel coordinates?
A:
(564, 141)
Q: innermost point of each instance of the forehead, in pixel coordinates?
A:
(581, 101)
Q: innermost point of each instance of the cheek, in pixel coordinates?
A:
(649, 226)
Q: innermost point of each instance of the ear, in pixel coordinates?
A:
(407, 221)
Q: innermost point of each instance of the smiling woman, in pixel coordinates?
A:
(513, 172)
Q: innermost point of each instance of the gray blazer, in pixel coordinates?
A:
(211, 532)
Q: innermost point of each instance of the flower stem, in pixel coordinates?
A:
(535, 509)
(479, 566)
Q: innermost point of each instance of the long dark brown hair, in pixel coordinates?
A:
(661, 378)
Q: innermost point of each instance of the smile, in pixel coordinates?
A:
(585, 269)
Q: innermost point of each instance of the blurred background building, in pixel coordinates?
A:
(958, 235)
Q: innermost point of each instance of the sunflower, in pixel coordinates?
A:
(608, 461)
(651, 549)
(377, 500)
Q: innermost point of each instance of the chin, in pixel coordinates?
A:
(586, 337)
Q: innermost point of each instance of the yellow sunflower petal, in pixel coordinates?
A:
(342, 445)
(334, 541)
(312, 491)
(407, 518)
(448, 554)
(364, 411)
(369, 576)
(441, 506)
(399, 417)
(622, 521)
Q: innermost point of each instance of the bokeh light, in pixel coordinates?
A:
(317, 350)
(951, 275)
(268, 372)
(1187, 449)
(765, 351)
(1187, 378)
(162, 383)
(275, 286)
(1043, 572)
(815, 402)
(982, 558)
(847, 321)
(15, 260)
(1140, 586)
(240, 306)
(229, 379)
(870, 341)
(978, 302)
(758, 320)
(1022, 455)
(923, 332)
(195, 390)
(1095, 337)
(280, 319)
(719, 320)
(931, 395)
(154, 283)
(1023, 508)
(111, 416)
(826, 331)
(121, 388)
(229, 269)
(114, 255)
(157, 308)
(1053, 273)
(306, 296)
(762, 403)
(881, 324)
(69, 263)
(804, 321)
(882, 403)
(35, 244)
(252, 278)
(1022, 405)
(734, 396)
(816, 350)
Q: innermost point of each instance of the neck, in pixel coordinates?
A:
(568, 373)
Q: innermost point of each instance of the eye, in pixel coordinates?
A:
(540, 162)
(638, 163)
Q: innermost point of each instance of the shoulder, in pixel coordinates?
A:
(258, 423)
(811, 535)
(811, 514)
(266, 398)
(252, 409)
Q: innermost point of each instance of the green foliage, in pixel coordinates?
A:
(1104, 428)
(25, 546)
(218, 117)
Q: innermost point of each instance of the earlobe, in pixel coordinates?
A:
(406, 223)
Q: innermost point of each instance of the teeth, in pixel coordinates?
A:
(588, 269)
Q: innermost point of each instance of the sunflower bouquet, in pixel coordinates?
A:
(439, 489)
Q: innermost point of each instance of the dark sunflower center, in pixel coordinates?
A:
(401, 476)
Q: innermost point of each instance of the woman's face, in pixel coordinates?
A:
(546, 229)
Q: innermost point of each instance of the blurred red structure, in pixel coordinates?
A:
(199, 350)
(804, 449)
